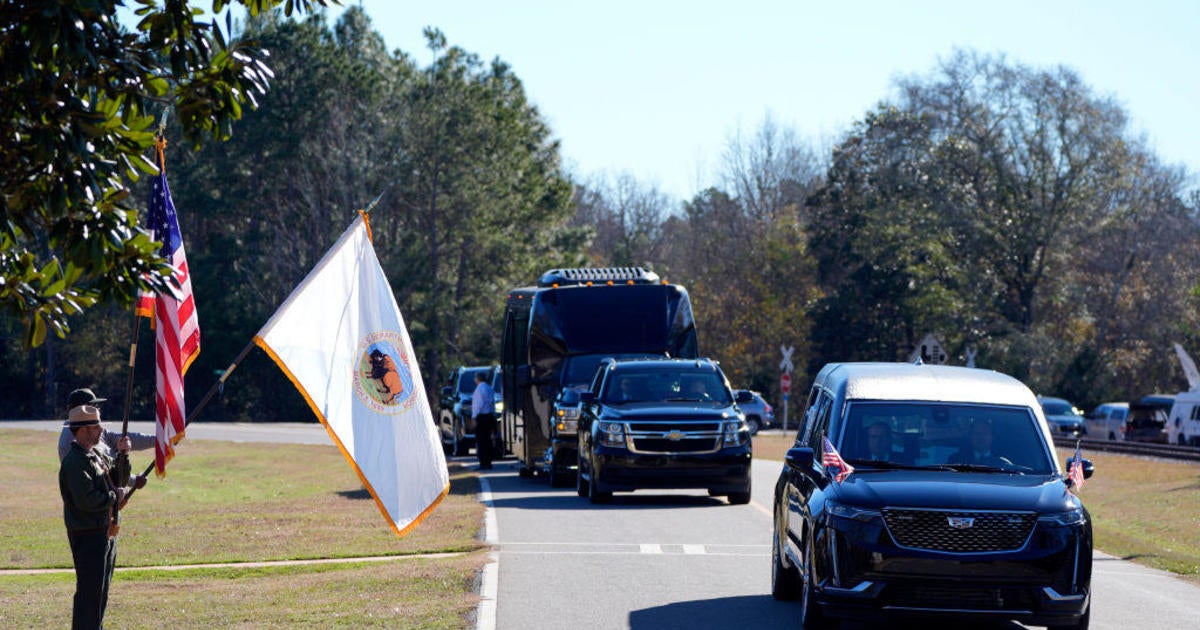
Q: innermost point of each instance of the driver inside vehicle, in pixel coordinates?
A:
(695, 389)
(979, 450)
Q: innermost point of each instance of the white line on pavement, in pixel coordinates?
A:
(489, 586)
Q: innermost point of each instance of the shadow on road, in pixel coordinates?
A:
(561, 501)
(762, 611)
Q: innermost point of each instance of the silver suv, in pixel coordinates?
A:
(759, 414)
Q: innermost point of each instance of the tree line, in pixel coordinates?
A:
(1007, 209)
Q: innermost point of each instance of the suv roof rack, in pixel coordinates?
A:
(584, 275)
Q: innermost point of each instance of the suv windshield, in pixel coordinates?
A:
(955, 436)
(466, 380)
(1056, 408)
(665, 384)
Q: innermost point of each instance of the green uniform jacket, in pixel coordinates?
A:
(87, 493)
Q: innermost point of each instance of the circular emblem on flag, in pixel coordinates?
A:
(382, 378)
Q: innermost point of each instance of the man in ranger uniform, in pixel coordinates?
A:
(90, 503)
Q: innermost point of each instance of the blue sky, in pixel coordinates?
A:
(656, 89)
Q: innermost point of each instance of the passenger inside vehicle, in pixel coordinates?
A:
(881, 445)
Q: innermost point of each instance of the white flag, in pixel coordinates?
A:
(342, 341)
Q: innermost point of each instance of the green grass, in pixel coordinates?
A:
(1144, 510)
(228, 502)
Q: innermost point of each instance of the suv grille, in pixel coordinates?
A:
(658, 437)
(976, 531)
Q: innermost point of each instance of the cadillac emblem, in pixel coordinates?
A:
(960, 522)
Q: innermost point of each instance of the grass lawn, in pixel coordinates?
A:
(229, 502)
(1144, 510)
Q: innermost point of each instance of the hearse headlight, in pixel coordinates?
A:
(1068, 518)
(852, 512)
(566, 427)
(612, 434)
(735, 433)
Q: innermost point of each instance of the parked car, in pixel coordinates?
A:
(1147, 420)
(1184, 426)
(455, 424)
(662, 423)
(759, 413)
(1108, 420)
(1064, 417)
(965, 514)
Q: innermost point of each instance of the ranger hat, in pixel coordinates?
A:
(83, 416)
(83, 396)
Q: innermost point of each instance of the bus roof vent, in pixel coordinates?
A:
(584, 275)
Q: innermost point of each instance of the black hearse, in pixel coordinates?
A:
(956, 505)
(556, 334)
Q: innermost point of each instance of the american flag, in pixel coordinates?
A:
(177, 331)
(1075, 470)
(832, 459)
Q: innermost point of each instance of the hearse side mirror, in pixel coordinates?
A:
(1088, 468)
(799, 458)
(446, 391)
(743, 397)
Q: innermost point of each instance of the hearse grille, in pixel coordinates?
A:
(659, 437)
(959, 531)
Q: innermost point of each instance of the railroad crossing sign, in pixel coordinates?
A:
(785, 365)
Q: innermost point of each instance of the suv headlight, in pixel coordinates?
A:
(735, 433)
(852, 512)
(1065, 519)
(612, 434)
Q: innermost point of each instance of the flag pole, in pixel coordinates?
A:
(204, 401)
(133, 343)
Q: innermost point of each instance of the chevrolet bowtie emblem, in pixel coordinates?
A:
(674, 436)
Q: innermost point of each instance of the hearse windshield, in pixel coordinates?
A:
(664, 385)
(944, 436)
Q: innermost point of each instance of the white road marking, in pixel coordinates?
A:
(651, 548)
(489, 586)
(693, 549)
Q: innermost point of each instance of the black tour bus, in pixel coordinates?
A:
(556, 334)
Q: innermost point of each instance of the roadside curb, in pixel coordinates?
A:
(485, 612)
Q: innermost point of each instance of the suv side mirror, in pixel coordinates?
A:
(743, 397)
(447, 391)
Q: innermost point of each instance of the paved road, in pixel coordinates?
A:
(674, 559)
(684, 560)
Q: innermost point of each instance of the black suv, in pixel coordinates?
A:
(662, 423)
(955, 504)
